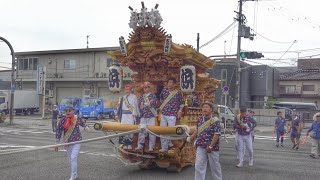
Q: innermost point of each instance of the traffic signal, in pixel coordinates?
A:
(251, 55)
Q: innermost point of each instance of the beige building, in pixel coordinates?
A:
(301, 86)
(5, 79)
(69, 73)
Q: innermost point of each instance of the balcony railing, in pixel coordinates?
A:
(296, 92)
(67, 74)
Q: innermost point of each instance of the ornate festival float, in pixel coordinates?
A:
(153, 57)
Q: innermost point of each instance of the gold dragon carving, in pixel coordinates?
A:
(146, 57)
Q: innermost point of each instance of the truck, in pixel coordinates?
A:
(70, 101)
(26, 102)
(97, 108)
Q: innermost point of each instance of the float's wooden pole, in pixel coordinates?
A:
(115, 126)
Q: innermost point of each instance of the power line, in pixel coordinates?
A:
(232, 34)
(295, 41)
(226, 30)
(296, 19)
(255, 62)
(231, 40)
(270, 39)
(295, 51)
(309, 56)
(301, 16)
(255, 15)
(294, 60)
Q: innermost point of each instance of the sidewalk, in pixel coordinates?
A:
(33, 121)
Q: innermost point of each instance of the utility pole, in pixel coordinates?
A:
(13, 82)
(240, 21)
(224, 49)
(198, 41)
(44, 92)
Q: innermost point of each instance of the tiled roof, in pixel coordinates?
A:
(302, 74)
(62, 51)
(287, 69)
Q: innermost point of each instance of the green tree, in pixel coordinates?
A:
(270, 102)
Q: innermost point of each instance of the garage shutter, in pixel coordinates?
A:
(68, 92)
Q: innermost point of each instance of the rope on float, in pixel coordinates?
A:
(21, 150)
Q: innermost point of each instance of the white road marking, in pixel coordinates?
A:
(258, 137)
(19, 131)
(15, 146)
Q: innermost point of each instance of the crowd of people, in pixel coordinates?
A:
(145, 108)
(295, 129)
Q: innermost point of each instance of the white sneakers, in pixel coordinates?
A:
(240, 165)
(74, 177)
(251, 162)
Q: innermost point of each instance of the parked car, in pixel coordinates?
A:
(226, 115)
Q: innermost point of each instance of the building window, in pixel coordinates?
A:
(111, 61)
(69, 64)
(224, 78)
(308, 88)
(224, 75)
(28, 63)
(288, 89)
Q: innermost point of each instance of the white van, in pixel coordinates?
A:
(226, 114)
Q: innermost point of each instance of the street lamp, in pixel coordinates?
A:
(12, 79)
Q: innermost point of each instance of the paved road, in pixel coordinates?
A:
(98, 161)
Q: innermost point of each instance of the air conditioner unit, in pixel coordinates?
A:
(49, 93)
(87, 93)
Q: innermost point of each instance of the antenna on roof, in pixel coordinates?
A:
(88, 41)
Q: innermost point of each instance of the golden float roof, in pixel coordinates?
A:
(147, 39)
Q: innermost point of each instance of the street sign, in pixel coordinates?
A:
(40, 79)
(225, 89)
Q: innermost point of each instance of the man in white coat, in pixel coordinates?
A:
(127, 111)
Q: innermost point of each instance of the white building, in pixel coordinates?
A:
(69, 73)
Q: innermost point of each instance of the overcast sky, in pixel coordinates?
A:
(32, 25)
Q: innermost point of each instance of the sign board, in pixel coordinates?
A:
(40, 76)
(225, 89)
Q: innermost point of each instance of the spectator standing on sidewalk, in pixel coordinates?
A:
(315, 136)
(55, 114)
